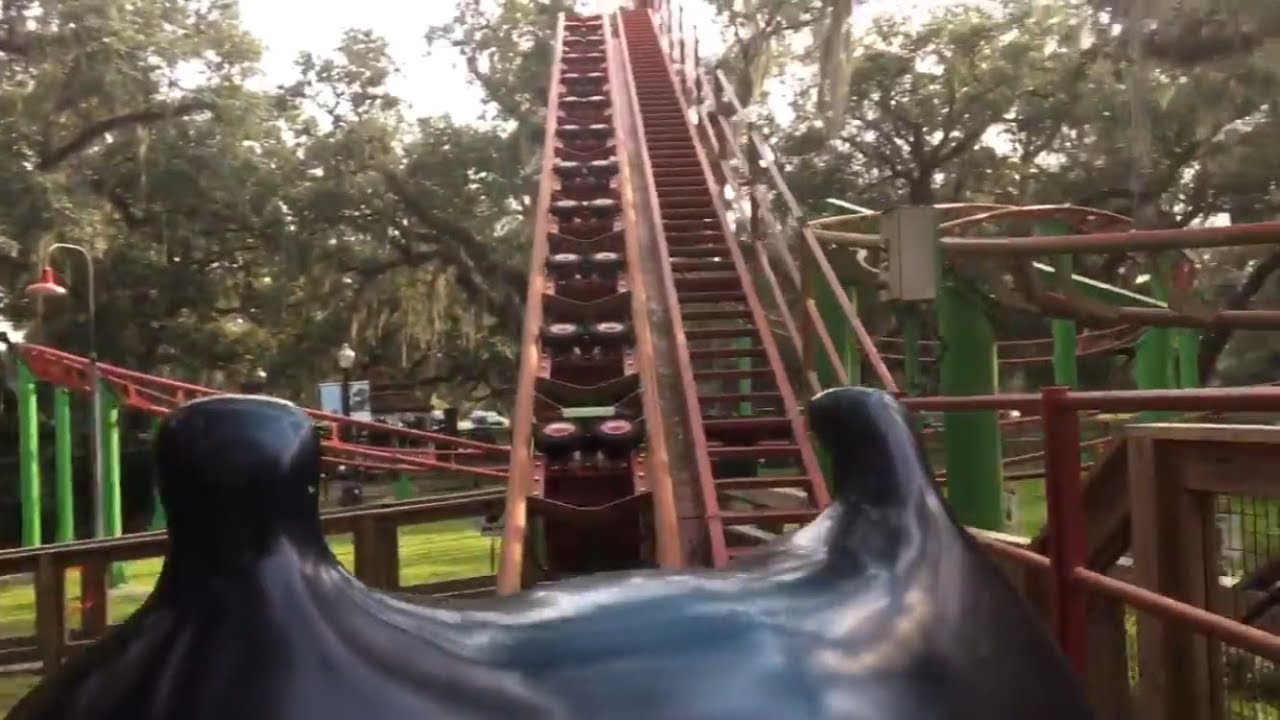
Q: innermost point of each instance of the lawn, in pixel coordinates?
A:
(428, 553)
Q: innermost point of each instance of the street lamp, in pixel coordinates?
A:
(256, 383)
(346, 361)
(48, 286)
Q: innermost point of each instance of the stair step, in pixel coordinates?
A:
(754, 398)
(707, 283)
(763, 482)
(687, 190)
(726, 353)
(715, 296)
(773, 516)
(735, 374)
(684, 201)
(699, 265)
(701, 227)
(715, 314)
(697, 251)
(753, 452)
(697, 238)
(682, 213)
(716, 333)
(756, 428)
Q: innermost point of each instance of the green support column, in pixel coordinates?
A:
(112, 522)
(29, 457)
(402, 488)
(159, 519)
(1153, 363)
(744, 385)
(846, 345)
(842, 335)
(1066, 371)
(64, 487)
(909, 319)
(1188, 358)
(971, 439)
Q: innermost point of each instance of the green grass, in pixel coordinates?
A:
(428, 553)
(13, 686)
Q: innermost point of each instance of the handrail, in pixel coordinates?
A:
(375, 549)
(520, 479)
(135, 546)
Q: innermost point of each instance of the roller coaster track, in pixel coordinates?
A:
(157, 396)
(623, 170)
(587, 486)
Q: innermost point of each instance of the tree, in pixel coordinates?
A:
(233, 228)
(1032, 102)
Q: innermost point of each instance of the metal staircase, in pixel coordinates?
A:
(757, 472)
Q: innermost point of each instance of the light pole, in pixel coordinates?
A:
(48, 286)
(346, 361)
(256, 383)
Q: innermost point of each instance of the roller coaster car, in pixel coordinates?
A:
(882, 607)
(564, 266)
(558, 440)
(560, 338)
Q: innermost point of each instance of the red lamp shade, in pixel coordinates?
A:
(46, 286)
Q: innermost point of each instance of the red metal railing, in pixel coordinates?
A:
(1071, 581)
(157, 396)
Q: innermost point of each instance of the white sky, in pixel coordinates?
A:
(431, 79)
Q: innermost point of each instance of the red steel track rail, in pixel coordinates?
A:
(157, 396)
(585, 482)
(712, 297)
(521, 479)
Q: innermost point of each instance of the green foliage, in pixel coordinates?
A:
(1030, 101)
(234, 228)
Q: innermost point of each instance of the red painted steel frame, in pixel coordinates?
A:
(516, 516)
(149, 393)
(1071, 580)
(1265, 233)
(157, 396)
(1066, 523)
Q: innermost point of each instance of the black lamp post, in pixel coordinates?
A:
(256, 383)
(346, 361)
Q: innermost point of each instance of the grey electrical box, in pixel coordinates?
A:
(909, 234)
